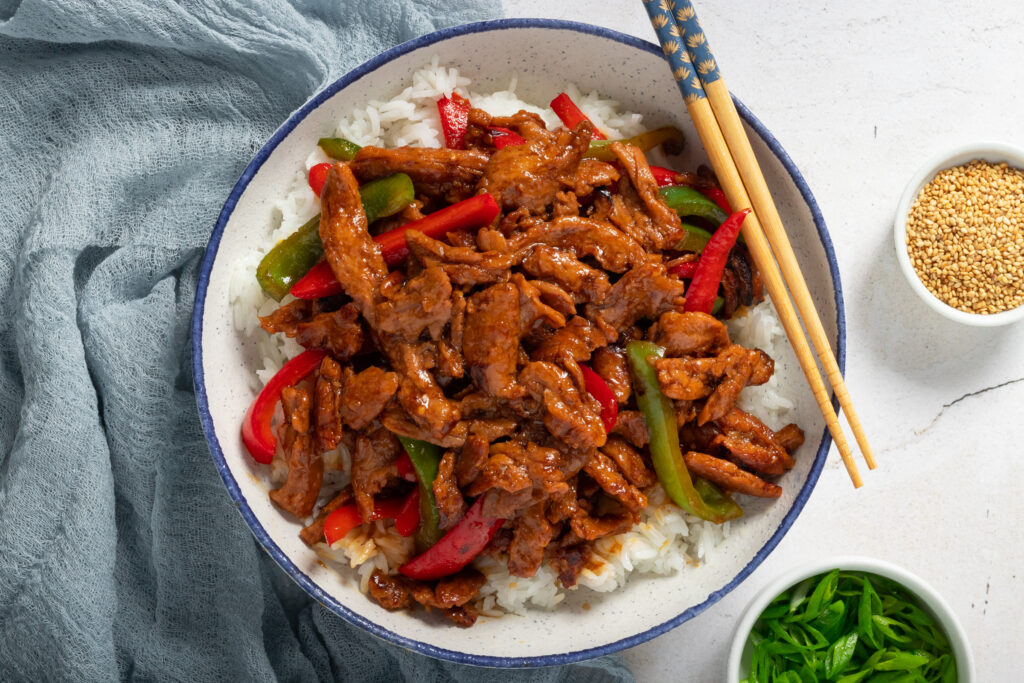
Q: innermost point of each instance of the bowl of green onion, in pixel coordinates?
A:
(849, 619)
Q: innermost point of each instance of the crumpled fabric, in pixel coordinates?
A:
(122, 130)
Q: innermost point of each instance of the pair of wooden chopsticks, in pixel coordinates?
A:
(725, 140)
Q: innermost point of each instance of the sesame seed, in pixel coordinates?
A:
(964, 234)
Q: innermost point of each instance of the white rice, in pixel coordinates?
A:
(667, 540)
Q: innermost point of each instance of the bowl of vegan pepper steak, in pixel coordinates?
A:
(483, 361)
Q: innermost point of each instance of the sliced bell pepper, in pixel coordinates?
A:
(257, 432)
(454, 113)
(405, 468)
(716, 195)
(425, 458)
(704, 286)
(292, 257)
(599, 389)
(570, 114)
(405, 512)
(339, 148)
(695, 239)
(663, 176)
(704, 500)
(317, 177)
(457, 548)
(684, 271)
(504, 137)
(669, 137)
(474, 212)
(687, 201)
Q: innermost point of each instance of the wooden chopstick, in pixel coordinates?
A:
(671, 38)
(750, 172)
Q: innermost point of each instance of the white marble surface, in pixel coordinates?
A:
(860, 94)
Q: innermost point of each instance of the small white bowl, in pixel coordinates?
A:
(931, 602)
(994, 152)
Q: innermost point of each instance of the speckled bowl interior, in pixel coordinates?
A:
(545, 55)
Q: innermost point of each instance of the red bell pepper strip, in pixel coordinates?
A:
(405, 512)
(318, 176)
(474, 212)
(405, 468)
(664, 176)
(684, 271)
(704, 286)
(599, 389)
(454, 113)
(257, 433)
(571, 115)
(457, 548)
(716, 195)
(504, 137)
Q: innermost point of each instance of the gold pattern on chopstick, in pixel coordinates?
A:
(706, 66)
(685, 14)
(673, 30)
(671, 47)
(663, 6)
(659, 21)
(680, 73)
(695, 41)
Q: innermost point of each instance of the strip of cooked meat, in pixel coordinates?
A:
(449, 173)
(610, 364)
(645, 291)
(790, 437)
(612, 249)
(566, 415)
(465, 266)
(397, 421)
(365, 394)
(418, 391)
(661, 223)
(490, 341)
(690, 334)
(373, 466)
(314, 533)
(531, 533)
(586, 284)
(592, 174)
(529, 175)
(451, 595)
(450, 505)
(568, 561)
(577, 340)
(503, 470)
(423, 302)
(719, 378)
(588, 527)
(629, 462)
(354, 257)
(728, 476)
(471, 459)
(329, 392)
(337, 331)
(602, 469)
(516, 476)
(630, 425)
(300, 491)
(534, 314)
(752, 442)
(286, 318)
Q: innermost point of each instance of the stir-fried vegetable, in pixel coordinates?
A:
(257, 432)
(848, 627)
(457, 548)
(701, 498)
(700, 296)
(695, 240)
(405, 512)
(570, 114)
(474, 212)
(454, 113)
(425, 459)
(669, 137)
(687, 201)
(599, 389)
(339, 148)
(504, 137)
(292, 257)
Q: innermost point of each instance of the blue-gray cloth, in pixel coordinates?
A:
(122, 130)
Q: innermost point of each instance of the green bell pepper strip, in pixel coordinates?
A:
(425, 459)
(700, 497)
(339, 148)
(292, 257)
(669, 137)
(686, 201)
(695, 239)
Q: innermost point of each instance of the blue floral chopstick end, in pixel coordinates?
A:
(695, 40)
(671, 39)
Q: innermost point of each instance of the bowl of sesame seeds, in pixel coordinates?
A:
(959, 234)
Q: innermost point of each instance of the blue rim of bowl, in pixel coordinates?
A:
(300, 577)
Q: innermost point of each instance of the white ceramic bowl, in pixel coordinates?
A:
(587, 624)
(739, 655)
(994, 152)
